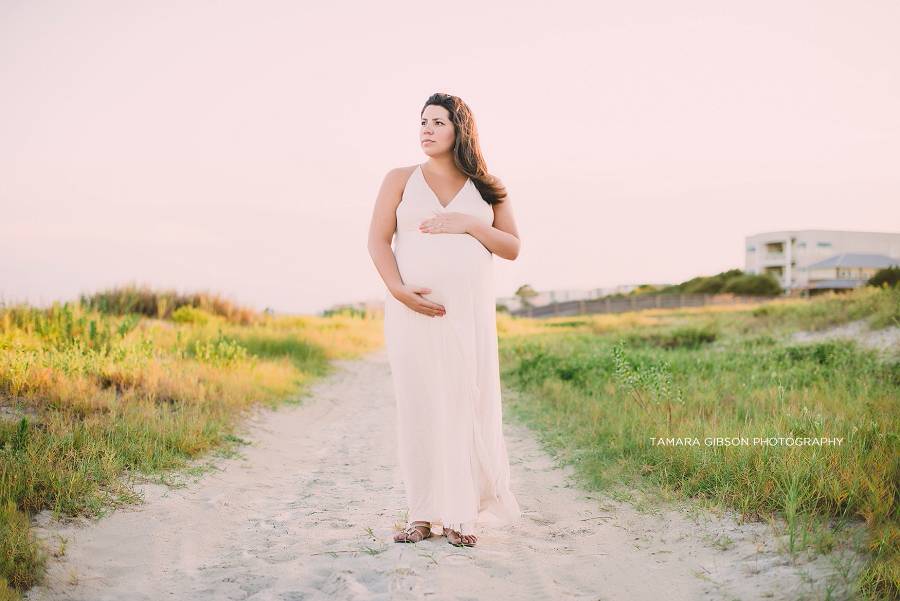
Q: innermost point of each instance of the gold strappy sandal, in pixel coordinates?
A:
(412, 530)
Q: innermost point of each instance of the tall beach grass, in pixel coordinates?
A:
(143, 300)
(606, 390)
(92, 399)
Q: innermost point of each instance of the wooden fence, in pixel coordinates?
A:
(638, 302)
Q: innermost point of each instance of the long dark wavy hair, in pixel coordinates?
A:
(466, 150)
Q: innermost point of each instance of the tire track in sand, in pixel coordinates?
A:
(288, 522)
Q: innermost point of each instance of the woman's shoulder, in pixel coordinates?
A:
(406, 170)
(401, 173)
(396, 178)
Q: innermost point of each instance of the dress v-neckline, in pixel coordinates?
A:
(455, 196)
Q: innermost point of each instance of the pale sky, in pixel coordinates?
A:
(237, 147)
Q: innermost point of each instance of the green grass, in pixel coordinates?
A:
(600, 393)
(880, 307)
(90, 401)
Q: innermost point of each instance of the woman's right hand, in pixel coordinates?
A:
(411, 296)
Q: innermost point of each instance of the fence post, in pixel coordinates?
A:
(658, 305)
(555, 309)
(581, 310)
(633, 304)
(530, 311)
(606, 305)
(680, 300)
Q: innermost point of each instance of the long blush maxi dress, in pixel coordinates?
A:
(446, 370)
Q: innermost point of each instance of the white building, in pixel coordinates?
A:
(781, 253)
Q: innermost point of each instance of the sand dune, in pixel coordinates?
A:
(289, 520)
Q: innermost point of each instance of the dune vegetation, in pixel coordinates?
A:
(124, 386)
(131, 384)
(679, 402)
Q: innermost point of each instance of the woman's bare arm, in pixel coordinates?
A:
(381, 231)
(501, 238)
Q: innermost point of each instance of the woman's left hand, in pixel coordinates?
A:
(446, 223)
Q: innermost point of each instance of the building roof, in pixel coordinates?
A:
(856, 260)
(782, 233)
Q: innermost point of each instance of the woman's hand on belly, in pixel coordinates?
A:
(411, 296)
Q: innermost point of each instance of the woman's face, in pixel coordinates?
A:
(436, 133)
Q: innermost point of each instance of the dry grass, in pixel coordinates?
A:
(164, 304)
(88, 398)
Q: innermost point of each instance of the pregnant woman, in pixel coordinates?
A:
(447, 218)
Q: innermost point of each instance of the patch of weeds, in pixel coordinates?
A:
(722, 543)
(688, 337)
(702, 575)
(229, 454)
(651, 388)
(62, 542)
(196, 471)
(621, 495)
(400, 522)
(370, 551)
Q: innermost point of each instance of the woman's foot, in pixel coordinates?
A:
(415, 532)
(459, 540)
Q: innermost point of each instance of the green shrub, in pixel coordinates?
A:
(188, 314)
(764, 285)
(222, 353)
(690, 337)
(162, 304)
(704, 284)
(734, 281)
(823, 353)
(687, 337)
(888, 275)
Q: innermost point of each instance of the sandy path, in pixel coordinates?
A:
(319, 474)
(885, 340)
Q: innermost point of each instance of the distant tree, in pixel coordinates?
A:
(646, 289)
(680, 288)
(763, 285)
(525, 294)
(704, 284)
(710, 285)
(888, 275)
